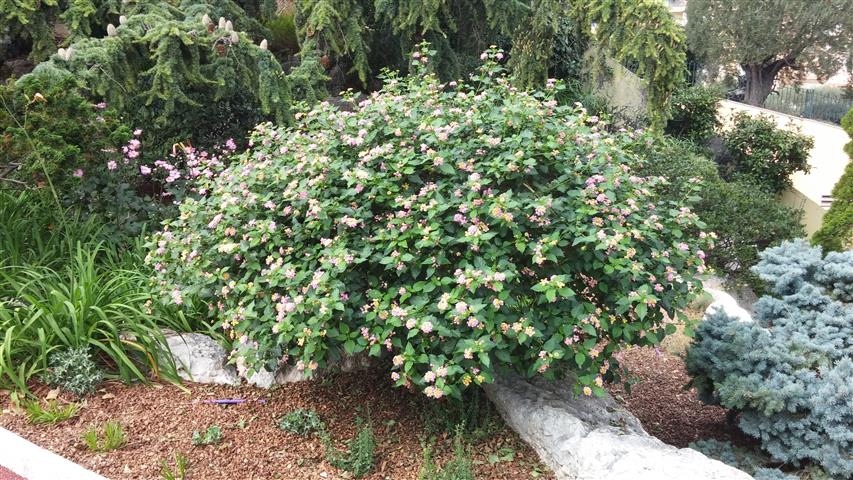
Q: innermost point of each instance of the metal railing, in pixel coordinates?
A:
(817, 104)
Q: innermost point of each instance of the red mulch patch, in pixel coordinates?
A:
(6, 474)
(160, 420)
(665, 409)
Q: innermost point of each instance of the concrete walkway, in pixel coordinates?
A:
(32, 462)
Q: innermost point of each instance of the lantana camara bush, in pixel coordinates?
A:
(465, 229)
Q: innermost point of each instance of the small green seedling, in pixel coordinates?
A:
(51, 412)
(180, 471)
(359, 458)
(112, 437)
(211, 436)
(301, 422)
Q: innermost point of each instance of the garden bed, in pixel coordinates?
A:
(666, 410)
(161, 419)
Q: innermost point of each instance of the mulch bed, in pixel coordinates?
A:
(160, 420)
(664, 407)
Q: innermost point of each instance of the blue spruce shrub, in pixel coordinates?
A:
(788, 373)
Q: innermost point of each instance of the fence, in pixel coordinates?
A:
(817, 104)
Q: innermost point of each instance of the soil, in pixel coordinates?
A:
(661, 403)
(160, 420)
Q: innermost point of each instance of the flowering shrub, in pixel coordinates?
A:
(132, 192)
(465, 229)
(788, 373)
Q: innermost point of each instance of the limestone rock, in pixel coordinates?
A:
(590, 438)
(201, 359)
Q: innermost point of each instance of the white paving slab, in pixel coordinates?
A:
(35, 463)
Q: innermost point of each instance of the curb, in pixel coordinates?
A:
(35, 463)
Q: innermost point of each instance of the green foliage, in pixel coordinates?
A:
(497, 246)
(106, 439)
(33, 20)
(472, 416)
(130, 193)
(693, 113)
(788, 37)
(533, 41)
(683, 164)
(49, 412)
(338, 28)
(61, 288)
(760, 152)
(836, 232)
(74, 371)
(48, 130)
(358, 459)
(788, 372)
(642, 33)
(165, 68)
(180, 471)
(746, 221)
(211, 436)
(283, 33)
(567, 56)
(301, 422)
(460, 467)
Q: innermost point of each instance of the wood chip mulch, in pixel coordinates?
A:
(665, 409)
(160, 420)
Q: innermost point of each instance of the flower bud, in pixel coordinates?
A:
(264, 44)
(122, 20)
(111, 30)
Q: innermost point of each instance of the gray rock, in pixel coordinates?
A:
(201, 359)
(588, 438)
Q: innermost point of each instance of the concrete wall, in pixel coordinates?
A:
(827, 161)
(623, 89)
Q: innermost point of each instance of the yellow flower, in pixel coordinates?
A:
(587, 391)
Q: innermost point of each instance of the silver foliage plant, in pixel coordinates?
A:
(788, 373)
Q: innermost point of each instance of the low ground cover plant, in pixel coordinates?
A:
(49, 411)
(301, 422)
(460, 467)
(111, 436)
(358, 459)
(788, 373)
(462, 228)
(179, 472)
(74, 371)
(211, 436)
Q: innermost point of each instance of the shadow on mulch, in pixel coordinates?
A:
(665, 409)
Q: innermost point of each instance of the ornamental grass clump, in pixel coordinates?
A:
(464, 229)
(788, 373)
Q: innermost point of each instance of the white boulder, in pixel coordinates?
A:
(590, 438)
(201, 359)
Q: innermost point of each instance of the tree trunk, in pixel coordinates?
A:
(760, 79)
(759, 83)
